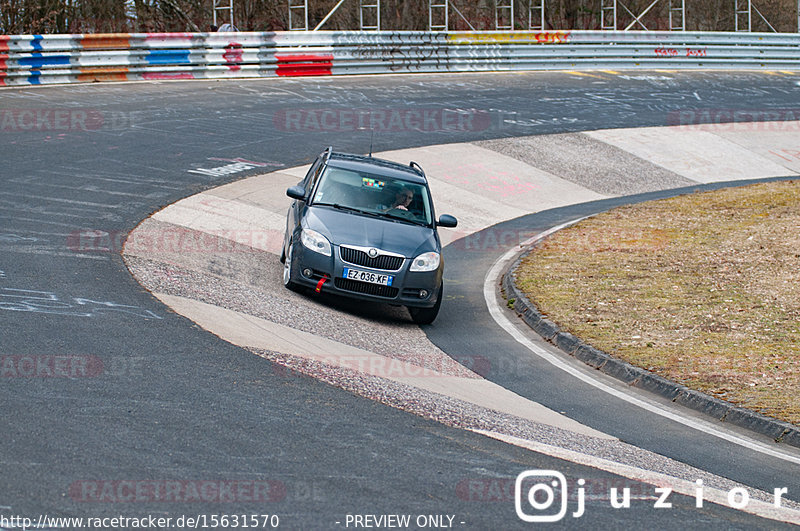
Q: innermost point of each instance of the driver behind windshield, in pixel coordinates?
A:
(402, 199)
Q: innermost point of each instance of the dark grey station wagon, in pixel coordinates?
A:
(365, 228)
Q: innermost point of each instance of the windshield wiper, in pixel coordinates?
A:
(403, 218)
(350, 209)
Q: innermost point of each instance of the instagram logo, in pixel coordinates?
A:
(538, 490)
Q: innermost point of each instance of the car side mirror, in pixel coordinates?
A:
(447, 221)
(296, 192)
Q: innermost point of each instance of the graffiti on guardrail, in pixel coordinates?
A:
(674, 52)
(234, 56)
(540, 37)
(401, 58)
(127, 57)
(699, 52)
(666, 52)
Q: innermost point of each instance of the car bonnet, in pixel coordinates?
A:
(347, 228)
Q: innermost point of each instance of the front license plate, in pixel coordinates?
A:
(367, 276)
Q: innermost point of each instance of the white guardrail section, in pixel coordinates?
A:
(42, 59)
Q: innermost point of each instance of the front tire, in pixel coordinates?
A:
(288, 283)
(425, 316)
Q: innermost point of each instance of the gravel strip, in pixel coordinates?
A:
(581, 159)
(373, 327)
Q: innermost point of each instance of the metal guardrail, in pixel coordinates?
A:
(45, 59)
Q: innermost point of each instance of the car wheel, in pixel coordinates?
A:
(423, 316)
(287, 272)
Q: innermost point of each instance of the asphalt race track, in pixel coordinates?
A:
(131, 402)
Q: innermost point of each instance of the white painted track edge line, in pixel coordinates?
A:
(492, 278)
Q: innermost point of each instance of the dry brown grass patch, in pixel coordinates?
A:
(703, 289)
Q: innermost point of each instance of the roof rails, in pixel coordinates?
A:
(413, 167)
(328, 152)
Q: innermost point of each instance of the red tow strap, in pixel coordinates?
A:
(320, 283)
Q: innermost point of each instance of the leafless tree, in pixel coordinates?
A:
(95, 16)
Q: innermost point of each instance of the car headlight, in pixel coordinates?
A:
(425, 262)
(315, 241)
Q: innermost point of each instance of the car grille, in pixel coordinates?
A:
(382, 261)
(348, 284)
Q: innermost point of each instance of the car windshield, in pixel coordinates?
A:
(374, 194)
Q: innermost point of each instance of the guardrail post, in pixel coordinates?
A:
(746, 13)
(441, 8)
(536, 15)
(503, 9)
(365, 6)
(608, 15)
(677, 12)
(218, 7)
(301, 7)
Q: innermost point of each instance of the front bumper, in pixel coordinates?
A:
(405, 289)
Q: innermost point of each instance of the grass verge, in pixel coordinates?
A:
(703, 289)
